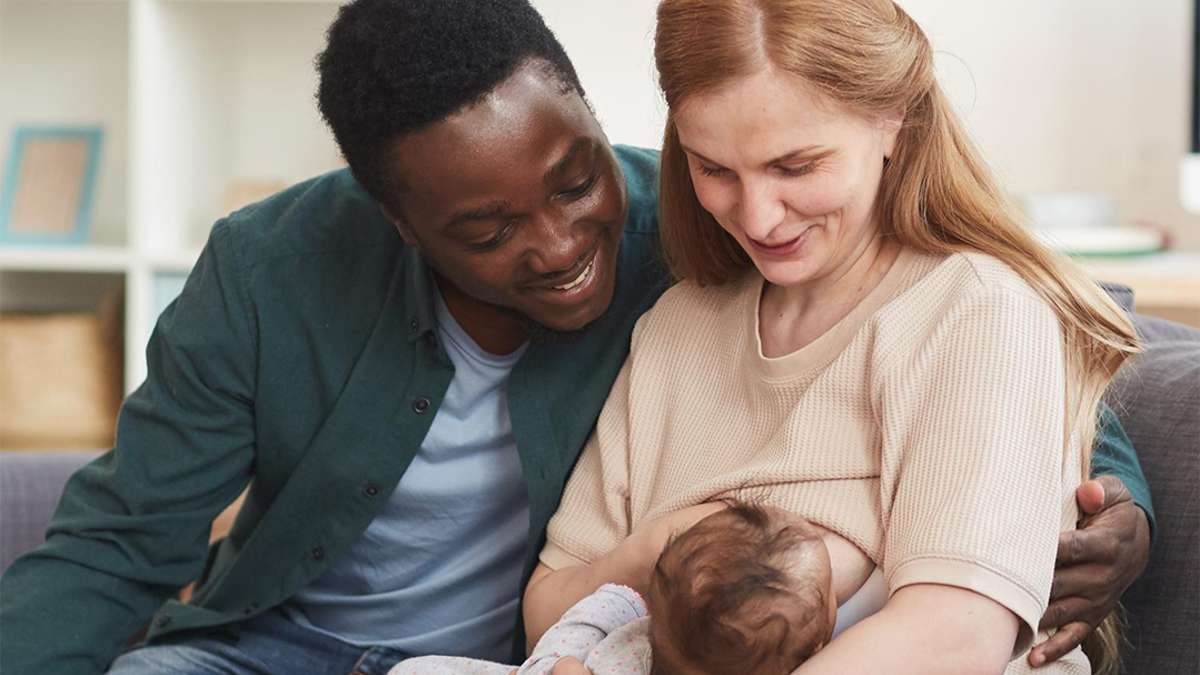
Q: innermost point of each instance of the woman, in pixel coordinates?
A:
(865, 334)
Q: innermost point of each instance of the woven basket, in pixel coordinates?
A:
(60, 380)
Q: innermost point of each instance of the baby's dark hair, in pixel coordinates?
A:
(734, 595)
(392, 67)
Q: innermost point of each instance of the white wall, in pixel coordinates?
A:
(1075, 96)
(611, 43)
(1063, 95)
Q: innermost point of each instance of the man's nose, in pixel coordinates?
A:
(557, 246)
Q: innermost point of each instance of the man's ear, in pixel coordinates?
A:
(399, 223)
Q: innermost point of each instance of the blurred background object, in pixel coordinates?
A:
(48, 187)
(60, 378)
(1089, 225)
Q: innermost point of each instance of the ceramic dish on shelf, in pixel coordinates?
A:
(1114, 241)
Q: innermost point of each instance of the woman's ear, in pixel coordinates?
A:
(890, 127)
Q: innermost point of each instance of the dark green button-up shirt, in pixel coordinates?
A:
(301, 359)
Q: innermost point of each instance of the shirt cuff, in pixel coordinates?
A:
(973, 577)
(636, 603)
(555, 557)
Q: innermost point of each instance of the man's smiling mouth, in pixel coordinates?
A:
(580, 279)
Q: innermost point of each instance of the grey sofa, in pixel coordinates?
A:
(30, 484)
(1158, 400)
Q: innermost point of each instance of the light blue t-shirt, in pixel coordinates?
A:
(439, 569)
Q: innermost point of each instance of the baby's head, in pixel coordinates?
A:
(747, 590)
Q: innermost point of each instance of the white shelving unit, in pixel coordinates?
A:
(192, 96)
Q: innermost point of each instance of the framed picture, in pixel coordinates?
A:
(49, 184)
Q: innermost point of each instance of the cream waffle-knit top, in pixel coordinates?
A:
(927, 427)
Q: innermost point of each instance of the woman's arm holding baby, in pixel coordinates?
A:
(925, 629)
(551, 592)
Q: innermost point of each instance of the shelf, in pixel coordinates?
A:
(66, 64)
(253, 2)
(1161, 279)
(237, 71)
(174, 263)
(112, 259)
(202, 103)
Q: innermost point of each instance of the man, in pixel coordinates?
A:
(403, 365)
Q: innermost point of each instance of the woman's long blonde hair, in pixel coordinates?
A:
(937, 194)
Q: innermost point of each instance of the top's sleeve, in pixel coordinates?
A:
(132, 527)
(593, 517)
(975, 477)
(1113, 455)
(584, 626)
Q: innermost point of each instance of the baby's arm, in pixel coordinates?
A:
(583, 627)
(448, 665)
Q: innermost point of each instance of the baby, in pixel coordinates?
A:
(747, 589)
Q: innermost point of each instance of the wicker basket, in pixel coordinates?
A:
(60, 380)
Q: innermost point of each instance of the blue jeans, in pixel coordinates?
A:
(268, 644)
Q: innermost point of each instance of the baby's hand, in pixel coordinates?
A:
(569, 665)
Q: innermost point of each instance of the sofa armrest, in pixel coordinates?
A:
(31, 484)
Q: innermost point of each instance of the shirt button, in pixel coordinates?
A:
(162, 620)
(421, 405)
(414, 325)
(318, 554)
(251, 608)
(371, 490)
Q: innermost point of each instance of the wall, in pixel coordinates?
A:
(1063, 96)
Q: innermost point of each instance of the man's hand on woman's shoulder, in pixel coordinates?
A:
(1096, 563)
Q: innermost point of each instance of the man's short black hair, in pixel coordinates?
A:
(392, 67)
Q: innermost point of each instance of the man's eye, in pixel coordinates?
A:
(495, 240)
(581, 189)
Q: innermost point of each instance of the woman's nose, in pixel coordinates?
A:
(761, 210)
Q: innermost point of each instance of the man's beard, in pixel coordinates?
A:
(539, 332)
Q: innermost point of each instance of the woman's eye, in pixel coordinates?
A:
(795, 172)
(711, 171)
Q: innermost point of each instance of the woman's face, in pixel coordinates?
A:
(788, 172)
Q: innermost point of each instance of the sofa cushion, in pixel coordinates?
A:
(30, 486)
(1158, 401)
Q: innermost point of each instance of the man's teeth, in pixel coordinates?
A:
(578, 280)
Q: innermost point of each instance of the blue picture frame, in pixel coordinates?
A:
(77, 235)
